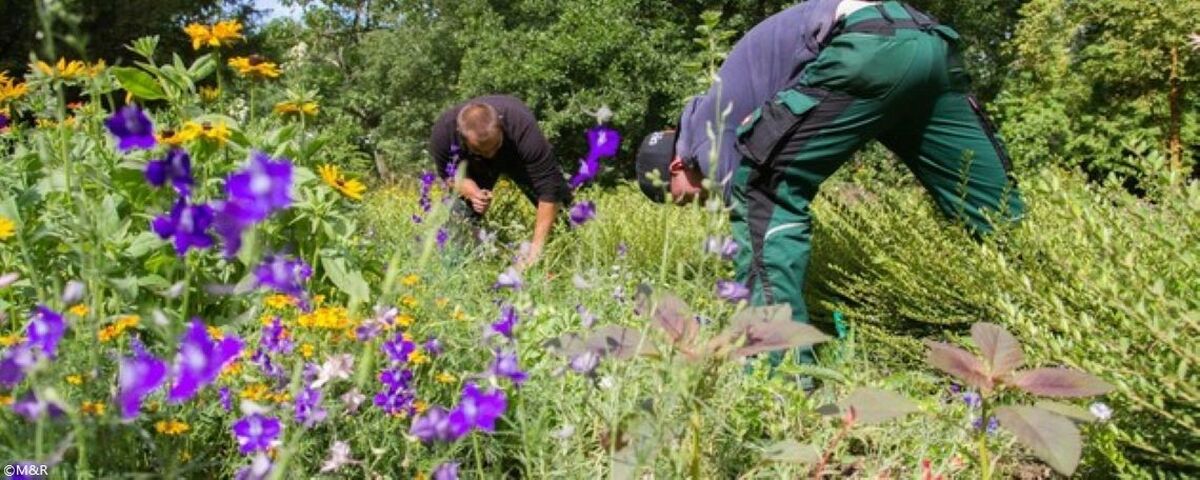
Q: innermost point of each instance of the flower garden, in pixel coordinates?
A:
(189, 288)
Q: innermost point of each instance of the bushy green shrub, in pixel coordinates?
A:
(1094, 277)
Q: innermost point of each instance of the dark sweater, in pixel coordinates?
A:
(526, 156)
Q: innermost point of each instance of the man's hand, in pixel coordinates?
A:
(546, 212)
(479, 198)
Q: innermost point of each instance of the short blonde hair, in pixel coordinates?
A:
(479, 120)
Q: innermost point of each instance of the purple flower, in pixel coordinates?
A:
(283, 275)
(268, 367)
(432, 426)
(506, 364)
(226, 399)
(260, 189)
(442, 236)
(137, 377)
(504, 326)
(582, 212)
(45, 329)
(477, 410)
(395, 401)
(508, 279)
(972, 400)
(398, 348)
(723, 247)
(257, 433)
(33, 408)
(15, 362)
(132, 128)
(585, 362)
(732, 291)
(603, 141)
(585, 316)
(258, 469)
(199, 361)
(992, 425)
(274, 338)
(588, 168)
(433, 347)
(4, 121)
(188, 224)
(446, 471)
(396, 379)
(622, 250)
(176, 168)
(308, 407)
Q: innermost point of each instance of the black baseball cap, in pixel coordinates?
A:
(655, 154)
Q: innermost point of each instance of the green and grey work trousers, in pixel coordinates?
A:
(889, 73)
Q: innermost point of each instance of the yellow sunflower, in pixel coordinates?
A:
(254, 67)
(176, 138)
(7, 228)
(224, 33)
(216, 132)
(9, 88)
(308, 109)
(351, 188)
(63, 69)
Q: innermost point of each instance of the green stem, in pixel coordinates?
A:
(478, 456)
(985, 460)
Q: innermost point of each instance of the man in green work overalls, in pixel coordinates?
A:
(802, 92)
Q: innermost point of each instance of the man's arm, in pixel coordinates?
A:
(546, 213)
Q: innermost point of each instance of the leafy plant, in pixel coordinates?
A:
(1050, 435)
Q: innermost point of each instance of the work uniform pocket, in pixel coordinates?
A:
(762, 133)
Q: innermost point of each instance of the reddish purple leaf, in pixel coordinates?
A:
(619, 342)
(872, 406)
(566, 345)
(673, 316)
(1060, 382)
(1051, 437)
(959, 363)
(1001, 351)
(767, 329)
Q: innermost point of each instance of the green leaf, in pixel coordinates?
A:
(138, 83)
(142, 244)
(350, 282)
(872, 406)
(202, 67)
(1051, 437)
(791, 451)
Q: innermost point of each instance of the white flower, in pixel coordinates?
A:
(352, 400)
(336, 367)
(339, 456)
(564, 433)
(73, 293)
(1101, 411)
(606, 383)
(9, 279)
(1195, 39)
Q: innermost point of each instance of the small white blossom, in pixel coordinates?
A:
(339, 456)
(1101, 411)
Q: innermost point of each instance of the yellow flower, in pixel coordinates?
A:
(404, 320)
(254, 67)
(177, 138)
(6, 400)
(280, 397)
(215, 333)
(459, 314)
(210, 94)
(266, 319)
(223, 33)
(232, 370)
(93, 408)
(108, 333)
(11, 339)
(308, 109)
(410, 280)
(418, 357)
(408, 301)
(255, 392)
(445, 378)
(96, 68)
(50, 123)
(80, 310)
(75, 379)
(171, 427)
(318, 299)
(185, 456)
(217, 132)
(279, 302)
(9, 88)
(307, 350)
(420, 406)
(126, 322)
(63, 69)
(442, 302)
(352, 189)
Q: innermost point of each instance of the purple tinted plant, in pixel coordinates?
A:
(137, 377)
(132, 128)
(257, 433)
(477, 410)
(45, 329)
(505, 364)
(508, 279)
(442, 236)
(399, 348)
(259, 469)
(433, 347)
(199, 361)
(446, 471)
(308, 408)
(34, 408)
(187, 224)
(723, 247)
(275, 338)
(732, 291)
(15, 362)
(226, 399)
(432, 426)
(1049, 434)
(504, 325)
(397, 396)
(582, 212)
(175, 167)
